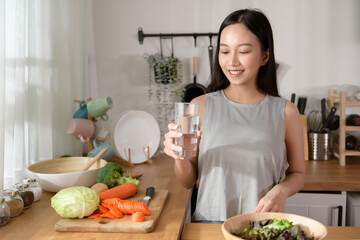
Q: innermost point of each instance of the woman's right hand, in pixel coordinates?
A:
(170, 147)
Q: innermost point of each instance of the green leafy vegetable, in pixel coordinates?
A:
(130, 179)
(75, 202)
(112, 175)
(279, 224)
(273, 229)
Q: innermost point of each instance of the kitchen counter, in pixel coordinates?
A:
(38, 222)
(330, 176)
(208, 231)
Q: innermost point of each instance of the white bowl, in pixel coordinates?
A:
(60, 173)
(238, 223)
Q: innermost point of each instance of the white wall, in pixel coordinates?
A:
(316, 42)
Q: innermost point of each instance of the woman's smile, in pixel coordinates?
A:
(235, 73)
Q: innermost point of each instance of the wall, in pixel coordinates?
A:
(317, 44)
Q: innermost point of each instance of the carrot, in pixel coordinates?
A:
(114, 200)
(138, 217)
(123, 191)
(105, 205)
(94, 215)
(103, 209)
(108, 215)
(130, 207)
(117, 208)
(115, 211)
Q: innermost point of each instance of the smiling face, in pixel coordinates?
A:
(241, 55)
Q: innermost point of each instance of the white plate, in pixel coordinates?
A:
(136, 130)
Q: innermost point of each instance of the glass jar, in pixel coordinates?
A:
(34, 186)
(26, 194)
(14, 201)
(4, 212)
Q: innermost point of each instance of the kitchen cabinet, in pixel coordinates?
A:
(342, 153)
(353, 209)
(326, 185)
(329, 208)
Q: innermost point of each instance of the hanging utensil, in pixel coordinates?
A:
(194, 90)
(211, 56)
(172, 47)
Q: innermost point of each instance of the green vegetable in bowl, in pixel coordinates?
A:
(273, 229)
(279, 224)
(112, 175)
(75, 202)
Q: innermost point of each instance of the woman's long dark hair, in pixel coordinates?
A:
(258, 24)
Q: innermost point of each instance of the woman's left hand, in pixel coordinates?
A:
(273, 201)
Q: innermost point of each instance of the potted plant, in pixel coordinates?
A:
(165, 84)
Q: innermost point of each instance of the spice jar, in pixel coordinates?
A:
(34, 186)
(14, 201)
(26, 194)
(4, 212)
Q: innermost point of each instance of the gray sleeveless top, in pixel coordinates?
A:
(242, 155)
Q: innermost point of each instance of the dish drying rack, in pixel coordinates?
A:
(129, 163)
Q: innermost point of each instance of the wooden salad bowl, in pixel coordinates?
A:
(238, 223)
(60, 173)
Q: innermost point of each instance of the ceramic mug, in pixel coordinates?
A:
(82, 111)
(100, 146)
(81, 128)
(99, 106)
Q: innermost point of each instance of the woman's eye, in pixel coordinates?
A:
(243, 52)
(224, 52)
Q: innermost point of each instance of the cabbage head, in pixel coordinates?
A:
(75, 202)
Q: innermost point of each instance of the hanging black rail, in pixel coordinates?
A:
(142, 35)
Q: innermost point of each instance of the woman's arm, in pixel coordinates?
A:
(275, 199)
(185, 167)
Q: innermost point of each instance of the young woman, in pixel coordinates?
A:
(249, 137)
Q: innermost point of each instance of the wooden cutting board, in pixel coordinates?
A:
(118, 225)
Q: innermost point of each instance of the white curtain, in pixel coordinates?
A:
(43, 63)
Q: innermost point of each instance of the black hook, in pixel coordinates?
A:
(140, 35)
(195, 36)
(210, 37)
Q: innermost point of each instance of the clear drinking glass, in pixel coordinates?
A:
(187, 118)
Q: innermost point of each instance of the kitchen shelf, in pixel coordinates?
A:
(352, 153)
(344, 103)
(352, 128)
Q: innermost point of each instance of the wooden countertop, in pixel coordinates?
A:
(208, 231)
(330, 176)
(38, 222)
